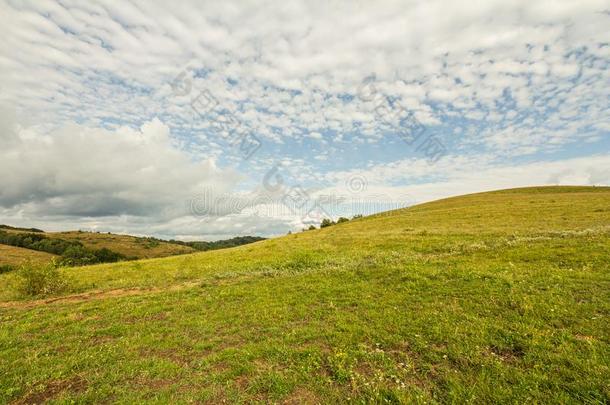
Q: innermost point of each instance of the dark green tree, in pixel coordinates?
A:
(326, 222)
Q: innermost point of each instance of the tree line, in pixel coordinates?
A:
(219, 244)
(326, 222)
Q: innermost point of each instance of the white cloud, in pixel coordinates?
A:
(100, 61)
(459, 175)
(104, 134)
(77, 173)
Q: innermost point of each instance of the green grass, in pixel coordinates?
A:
(493, 297)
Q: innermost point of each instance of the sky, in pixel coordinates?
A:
(205, 120)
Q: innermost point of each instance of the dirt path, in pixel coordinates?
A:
(95, 295)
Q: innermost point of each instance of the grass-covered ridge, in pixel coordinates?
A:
(127, 246)
(11, 257)
(498, 296)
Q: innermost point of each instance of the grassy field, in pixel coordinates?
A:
(492, 297)
(14, 256)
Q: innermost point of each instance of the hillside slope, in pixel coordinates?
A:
(499, 296)
(130, 246)
(126, 245)
(14, 256)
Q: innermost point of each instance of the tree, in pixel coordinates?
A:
(326, 222)
(342, 219)
(312, 228)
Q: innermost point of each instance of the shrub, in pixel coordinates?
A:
(105, 255)
(152, 243)
(40, 279)
(326, 222)
(5, 268)
(78, 256)
(342, 219)
(301, 261)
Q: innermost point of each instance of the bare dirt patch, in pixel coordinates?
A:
(509, 355)
(53, 389)
(301, 396)
(95, 295)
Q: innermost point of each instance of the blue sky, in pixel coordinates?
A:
(129, 116)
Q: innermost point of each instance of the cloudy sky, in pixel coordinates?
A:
(205, 120)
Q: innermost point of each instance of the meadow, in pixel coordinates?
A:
(491, 297)
(14, 256)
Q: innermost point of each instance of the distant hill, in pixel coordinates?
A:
(220, 244)
(11, 256)
(12, 228)
(82, 247)
(129, 246)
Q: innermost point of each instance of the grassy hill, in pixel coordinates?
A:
(14, 256)
(130, 246)
(491, 297)
(126, 245)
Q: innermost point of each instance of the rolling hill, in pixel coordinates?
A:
(130, 246)
(79, 248)
(126, 245)
(490, 297)
(13, 256)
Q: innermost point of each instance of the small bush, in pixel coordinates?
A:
(40, 280)
(326, 222)
(5, 268)
(301, 261)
